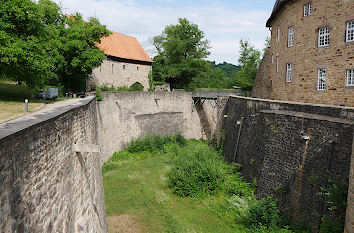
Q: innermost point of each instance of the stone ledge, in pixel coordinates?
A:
(308, 116)
(14, 126)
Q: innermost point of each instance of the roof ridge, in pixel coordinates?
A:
(123, 34)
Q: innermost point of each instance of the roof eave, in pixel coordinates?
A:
(275, 12)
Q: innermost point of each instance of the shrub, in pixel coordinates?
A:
(265, 213)
(330, 226)
(99, 96)
(197, 171)
(137, 87)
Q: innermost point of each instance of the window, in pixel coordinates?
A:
(278, 33)
(310, 8)
(350, 31)
(272, 58)
(291, 37)
(137, 68)
(277, 61)
(321, 79)
(112, 68)
(123, 67)
(305, 10)
(289, 71)
(100, 69)
(350, 78)
(323, 37)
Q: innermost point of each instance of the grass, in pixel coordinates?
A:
(12, 98)
(137, 182)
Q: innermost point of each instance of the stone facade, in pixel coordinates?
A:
(120, 74)
(290, 149)
(45, 186)
(124, 116)
(306, 57)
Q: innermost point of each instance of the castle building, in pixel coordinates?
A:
(311, 54)
(126, 63)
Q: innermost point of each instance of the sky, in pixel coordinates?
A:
(223, 22)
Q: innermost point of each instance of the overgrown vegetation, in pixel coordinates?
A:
(39, 45)
(134, 87)
(175, 185)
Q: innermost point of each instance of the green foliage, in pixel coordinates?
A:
(38, 44)
(227, 68)
(154, 143)
(331, 226)
(249, 61)
(181, 49)
(99, 96)
(336, 194)
(265, 213)
(135, 87)
(214, 78)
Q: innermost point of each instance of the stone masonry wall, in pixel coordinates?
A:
(290, 149)
(45, 187)
(306, 57)
(123, 116)
(120, 74)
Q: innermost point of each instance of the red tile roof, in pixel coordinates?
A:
(123, 46)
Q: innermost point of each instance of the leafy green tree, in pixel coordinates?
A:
(215, 79)
(79, 50)
(28, 40)
(181, 49)
(249, 61)
(39, 44)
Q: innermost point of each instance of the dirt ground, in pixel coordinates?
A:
(123, 224)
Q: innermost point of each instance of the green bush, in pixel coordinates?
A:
(197, 171)
(265, 213)
(155, 143)
(331, 226)
(99, 96)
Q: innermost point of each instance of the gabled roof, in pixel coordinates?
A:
(123, 46)
(276, 9)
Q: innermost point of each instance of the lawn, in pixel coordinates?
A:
(156, 185)
(138, 189)
(12, 98)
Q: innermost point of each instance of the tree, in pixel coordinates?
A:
(249, 61)
(28, 38)
(181, 49)
(39, 44)
(79, 50)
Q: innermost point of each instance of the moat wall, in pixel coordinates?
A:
(45, 186)
(291, 150)
(124, 116)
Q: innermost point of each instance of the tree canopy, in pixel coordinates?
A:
(38, 44)
(181, 49)
(249, 61)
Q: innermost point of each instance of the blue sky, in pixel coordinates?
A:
(223, 22)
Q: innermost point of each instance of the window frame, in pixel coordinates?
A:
(305, 10)
(350, 76)
(291, 36)
(324, 35)
(351, 31)
(310, 9)
(289, 73)
(321, 79)
(278, 33)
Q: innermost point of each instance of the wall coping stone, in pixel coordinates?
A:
(17, 125)
(305, 115)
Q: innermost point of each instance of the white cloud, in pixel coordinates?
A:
(222, 27)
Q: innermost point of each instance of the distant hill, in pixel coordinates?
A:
(228, 68)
